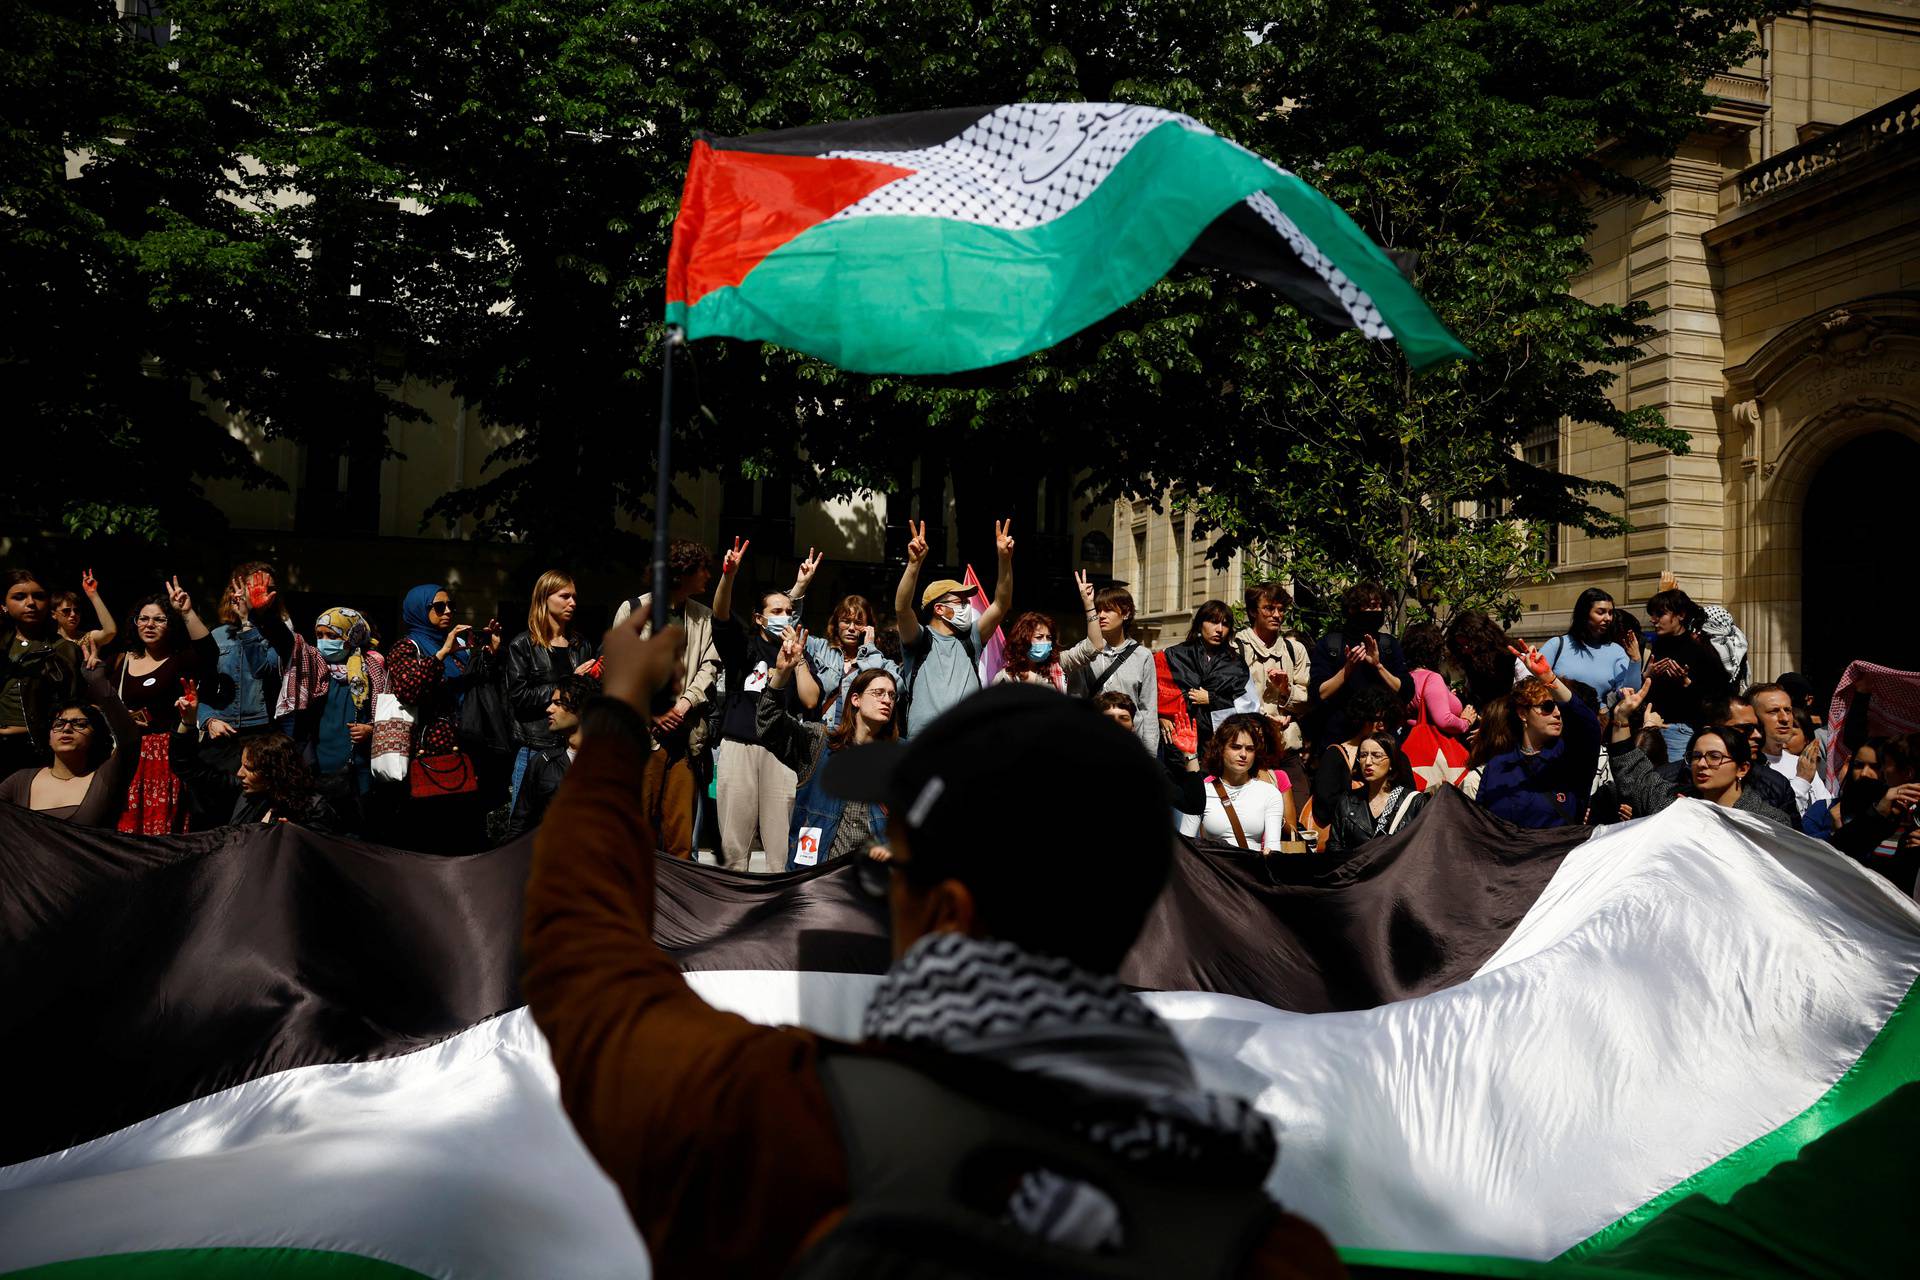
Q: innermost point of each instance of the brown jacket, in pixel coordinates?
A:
(717, 1131)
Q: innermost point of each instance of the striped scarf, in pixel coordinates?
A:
(1045, 1015)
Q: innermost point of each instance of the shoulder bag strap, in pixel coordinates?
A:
(1420, 698)
(1120, 656)
(1400, 811)
(1220, 789)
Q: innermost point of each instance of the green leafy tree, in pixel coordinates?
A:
(483, 195)
(1473, 136)
(109, 218)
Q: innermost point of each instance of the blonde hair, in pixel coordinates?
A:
(539, 622)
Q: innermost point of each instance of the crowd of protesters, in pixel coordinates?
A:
(450, 738)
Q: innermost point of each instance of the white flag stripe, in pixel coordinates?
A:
(455, 1161)
(1686, 984)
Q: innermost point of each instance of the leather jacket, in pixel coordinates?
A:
(532, 673)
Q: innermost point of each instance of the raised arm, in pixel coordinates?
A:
(777, 729)
(729, 569)
(903, 595)
(103, 634)
(793, 655)
(1081, 654)
(645, 1065)
(1003, 578)
(803, 577)
(183, 605)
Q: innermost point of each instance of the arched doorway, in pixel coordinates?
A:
(1861, 513)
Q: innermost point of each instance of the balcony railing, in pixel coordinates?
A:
(1896, 123)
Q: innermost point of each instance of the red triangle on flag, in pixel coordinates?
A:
(739, 206)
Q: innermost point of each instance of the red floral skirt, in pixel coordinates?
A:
(156, 803)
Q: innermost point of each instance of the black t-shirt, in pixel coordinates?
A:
(1679, 702)
(747, 656)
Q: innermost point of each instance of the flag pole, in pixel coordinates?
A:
(663, 480)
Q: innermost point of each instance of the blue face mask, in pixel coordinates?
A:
(779, 622)
(1040, 650)
(332, 650)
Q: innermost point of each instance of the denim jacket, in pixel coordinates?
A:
(250, 662)
(814, 830)
(829, 668)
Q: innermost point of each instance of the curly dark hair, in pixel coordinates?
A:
(575, 691)
(1372, 704)
(176, 633)
(1424, 644)
(1479, 647)
(1361, 597)
(1266, 748)
(1019, 650)
(685, 557)
(289, 782)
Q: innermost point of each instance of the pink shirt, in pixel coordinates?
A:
(1443, 708)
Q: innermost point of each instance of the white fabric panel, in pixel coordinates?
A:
(455, 1161)
(1686, 984)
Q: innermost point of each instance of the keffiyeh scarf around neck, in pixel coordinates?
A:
(1045, 1015)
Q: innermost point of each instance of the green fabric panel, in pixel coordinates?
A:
(857, 292)
(1889, 1062)
(1845, 1207)
(222, 1264)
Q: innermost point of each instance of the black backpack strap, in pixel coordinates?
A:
(1099, 682)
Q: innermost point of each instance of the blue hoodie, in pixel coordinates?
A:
(1550, 789)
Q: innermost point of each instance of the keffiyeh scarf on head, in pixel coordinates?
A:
(309, 676)
(353, 629)
(1045, 1015)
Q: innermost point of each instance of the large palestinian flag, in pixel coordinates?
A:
(949, 240)
(1676, 1046)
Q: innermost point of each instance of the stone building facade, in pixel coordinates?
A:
(1781, 266)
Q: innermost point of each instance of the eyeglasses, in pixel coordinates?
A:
(440, 606)
(72, 725)
(1370, 755)
(1712, 758)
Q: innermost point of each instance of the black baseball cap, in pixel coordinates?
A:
(1020, 783)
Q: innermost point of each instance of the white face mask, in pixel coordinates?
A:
(778, 623)
(961, 618)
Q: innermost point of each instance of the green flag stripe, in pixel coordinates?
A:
(222, 1264)
(858, 291)
(1891, 1060)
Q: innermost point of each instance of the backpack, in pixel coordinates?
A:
(933, 1146)
(1729, 642)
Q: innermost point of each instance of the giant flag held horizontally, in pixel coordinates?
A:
(941, 241)
(1682, 1045)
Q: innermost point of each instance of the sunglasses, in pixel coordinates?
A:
(72, 725)
(440, 606)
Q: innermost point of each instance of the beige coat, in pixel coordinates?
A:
(703, 663)
(1289, 654)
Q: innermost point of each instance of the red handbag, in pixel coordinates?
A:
(442, 775)
(1436, 758)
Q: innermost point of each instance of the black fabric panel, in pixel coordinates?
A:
(1403, 916)
(138, 974)
(1242, 243)
(908, 131)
